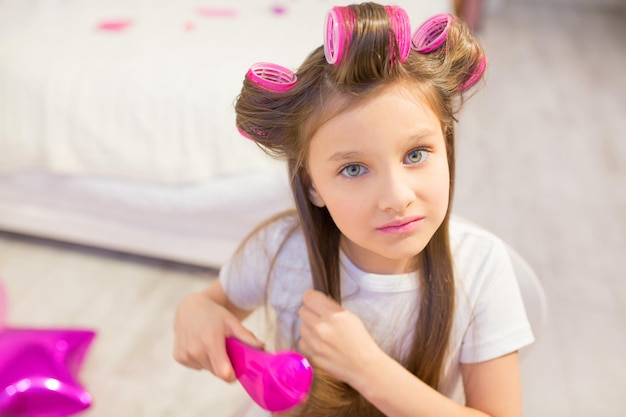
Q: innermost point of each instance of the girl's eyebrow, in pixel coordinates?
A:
(344, 156)
(412, 140)
(422, 135)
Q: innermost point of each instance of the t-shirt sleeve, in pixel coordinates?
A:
(245, 276)
(498, 323)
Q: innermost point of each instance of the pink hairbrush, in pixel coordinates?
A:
(275, 381)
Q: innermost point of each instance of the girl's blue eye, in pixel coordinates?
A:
(353, 170)
(416, 156)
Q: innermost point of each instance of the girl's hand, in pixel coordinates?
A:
(200, 328)
(334, 339)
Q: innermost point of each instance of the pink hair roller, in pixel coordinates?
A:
(401, 26)
(271, 77)
(478, 71)
(254, 130)
(244, 133)
(432, 33)
(334, 35)
(338, 32)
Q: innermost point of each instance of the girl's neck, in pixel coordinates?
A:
(377, 264)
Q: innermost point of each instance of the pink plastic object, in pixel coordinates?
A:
(244, 133)
(275, 381)
(478, 71)
(432, 33)
(334, 36)
(279, 10)
(271, 77)
(256, 131)
(116, 25)
(402, 28)
(338, 31)
(38, 370)
(3, 308)
(217, 12)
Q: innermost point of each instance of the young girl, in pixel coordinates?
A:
(401, 311)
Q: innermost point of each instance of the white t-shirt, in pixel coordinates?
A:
(490, 320)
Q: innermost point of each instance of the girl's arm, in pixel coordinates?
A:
(216, 293)
(492, 388)
(203, 320)
(336, 341)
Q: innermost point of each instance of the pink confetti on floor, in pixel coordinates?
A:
(279, 10)
(114, 25)
(217, 12)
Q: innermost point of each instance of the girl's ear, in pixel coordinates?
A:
(314, 197)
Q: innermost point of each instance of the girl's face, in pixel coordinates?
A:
(381, 170)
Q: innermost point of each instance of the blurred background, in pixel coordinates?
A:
(542, 163)
(124, 186)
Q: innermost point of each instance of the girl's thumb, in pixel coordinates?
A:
(247, 337)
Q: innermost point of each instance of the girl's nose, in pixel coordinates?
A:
(396, 192)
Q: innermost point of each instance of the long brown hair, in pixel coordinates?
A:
(283, 123)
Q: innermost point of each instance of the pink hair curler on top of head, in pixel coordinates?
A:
(271, 77)
(334, 35)
(340, 23)
(432, 33)
(401, 26)
(277, 381)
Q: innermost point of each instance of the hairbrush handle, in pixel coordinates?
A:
(275, 381)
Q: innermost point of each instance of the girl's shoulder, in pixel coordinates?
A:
(490, 319)
(476, 250)
(464, 233)
(275, 236)
(277, 228)
(270, 261)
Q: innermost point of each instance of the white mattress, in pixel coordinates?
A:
(197, 224)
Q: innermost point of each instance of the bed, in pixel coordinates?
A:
(117, 122)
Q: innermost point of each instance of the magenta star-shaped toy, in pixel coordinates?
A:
(38, 369)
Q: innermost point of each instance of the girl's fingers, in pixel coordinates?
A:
(195, 365)
(245, 335)
(320, 303)
(221, 366)
(308, 316)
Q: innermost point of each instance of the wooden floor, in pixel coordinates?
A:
(541, 162)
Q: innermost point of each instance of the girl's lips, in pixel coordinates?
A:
(401, 226)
